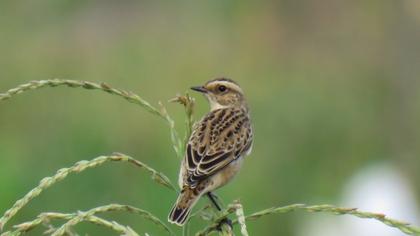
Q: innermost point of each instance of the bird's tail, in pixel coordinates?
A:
(183, 205)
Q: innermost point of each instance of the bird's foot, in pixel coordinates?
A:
(224, 221)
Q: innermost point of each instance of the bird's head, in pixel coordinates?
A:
(222, 93)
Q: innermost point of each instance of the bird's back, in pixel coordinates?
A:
(221, 137)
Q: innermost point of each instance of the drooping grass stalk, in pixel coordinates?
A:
(176, 141)
(402, 226)
(36, 84)
(43, 218)
(113, 225)
(127, 95)
(77, 168)
(241, 218)
(47, 217)
(81, 216)
(189, 111)
(188, 102)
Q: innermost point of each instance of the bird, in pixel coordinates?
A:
(216, 148)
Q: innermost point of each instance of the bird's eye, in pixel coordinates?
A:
(222, 88)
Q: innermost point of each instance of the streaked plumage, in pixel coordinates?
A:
(217, 145)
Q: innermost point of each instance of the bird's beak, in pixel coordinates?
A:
(200, 89)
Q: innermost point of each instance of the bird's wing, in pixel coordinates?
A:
(219, 138)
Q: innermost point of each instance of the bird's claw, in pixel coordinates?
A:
(224, 221)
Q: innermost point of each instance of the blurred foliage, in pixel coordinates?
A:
(332, 87)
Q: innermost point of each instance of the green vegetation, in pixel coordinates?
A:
(333, 89)
(73, 219)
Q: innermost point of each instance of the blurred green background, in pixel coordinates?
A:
(333, 87)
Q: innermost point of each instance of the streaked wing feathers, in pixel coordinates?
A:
(219, 138)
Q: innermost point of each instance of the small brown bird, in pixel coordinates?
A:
(217, 146)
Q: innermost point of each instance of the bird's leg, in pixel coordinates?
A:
(212, 198)
(226, 220)
(216, 198)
